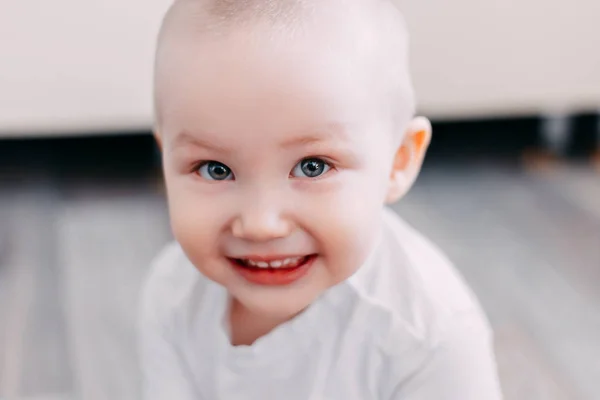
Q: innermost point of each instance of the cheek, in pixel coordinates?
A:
(196, 209)
(345, 222)
(196, 223)
(347, 239)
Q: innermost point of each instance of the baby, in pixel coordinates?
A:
(286, 126)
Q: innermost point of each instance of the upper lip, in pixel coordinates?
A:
(269, 258)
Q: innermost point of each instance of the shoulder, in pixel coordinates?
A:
(419, 313)
(432, 278)
(413, 288)
(170, 286)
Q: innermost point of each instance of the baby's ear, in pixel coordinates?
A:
(158, 139)
(409, 158)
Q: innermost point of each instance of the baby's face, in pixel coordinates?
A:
(277, 164)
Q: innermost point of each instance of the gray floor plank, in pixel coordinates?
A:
(523, 369)
(107, 243)
(34, 354)
(565, 235)
(6, 282)
(579, 184)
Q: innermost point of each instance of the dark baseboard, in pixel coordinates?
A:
(126, 155)
(508, 138)
(586, 135)
(484, 138)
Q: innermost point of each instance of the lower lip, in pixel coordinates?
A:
(274, 276)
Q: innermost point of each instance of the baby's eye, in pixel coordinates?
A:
(310, 168)
(215, 171)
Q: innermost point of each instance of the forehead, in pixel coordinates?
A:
(242, 80)
(259, 76)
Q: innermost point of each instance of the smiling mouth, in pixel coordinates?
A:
(273, 272)
(289, 262)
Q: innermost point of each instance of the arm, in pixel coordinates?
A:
(461, 367)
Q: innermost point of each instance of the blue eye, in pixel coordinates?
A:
(215, 171)
(310, 168)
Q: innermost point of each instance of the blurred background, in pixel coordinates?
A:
(511, 187)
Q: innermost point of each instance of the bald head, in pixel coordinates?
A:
(371, 33)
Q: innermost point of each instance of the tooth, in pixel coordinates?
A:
(285, 263)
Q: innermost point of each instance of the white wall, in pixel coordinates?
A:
(482, 57)
(76, 66)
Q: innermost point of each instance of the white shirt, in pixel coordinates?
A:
(405, 326)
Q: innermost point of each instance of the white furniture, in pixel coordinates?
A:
(78, 67)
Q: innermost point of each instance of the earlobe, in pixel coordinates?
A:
(399, 184)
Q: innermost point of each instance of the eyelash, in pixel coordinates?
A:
(196, 166)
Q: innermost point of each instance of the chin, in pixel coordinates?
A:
(283, 305)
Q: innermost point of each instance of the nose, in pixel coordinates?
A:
(261, 221)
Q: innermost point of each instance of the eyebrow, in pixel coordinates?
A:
(331, 132)
(185, 138)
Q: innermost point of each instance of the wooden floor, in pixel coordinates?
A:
(73, 253)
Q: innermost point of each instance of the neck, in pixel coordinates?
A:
(247, 326)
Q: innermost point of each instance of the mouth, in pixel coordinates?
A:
(271, 271)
